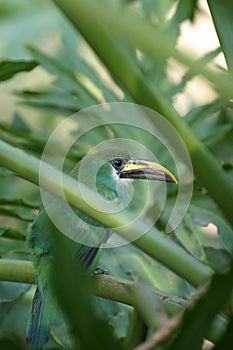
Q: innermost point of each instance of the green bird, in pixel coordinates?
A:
(115, 171)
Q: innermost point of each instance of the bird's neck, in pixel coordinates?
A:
(111, 187)
(107, 182)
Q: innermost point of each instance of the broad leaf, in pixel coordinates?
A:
(9, 68)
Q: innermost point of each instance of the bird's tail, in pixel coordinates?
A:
(40, 319)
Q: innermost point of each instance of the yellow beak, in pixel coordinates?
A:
(144, 169)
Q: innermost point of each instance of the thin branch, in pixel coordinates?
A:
(104, 286)
(162, 334)
(116, 289)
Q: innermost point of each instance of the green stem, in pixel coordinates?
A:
(86, 17)
(16, 271)
(155, 245)
(119, 289)
(108, 287)
(221, 12)
(151, 309)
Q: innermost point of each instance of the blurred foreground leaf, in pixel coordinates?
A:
(8, 345)
(225, 342)
(73, 292)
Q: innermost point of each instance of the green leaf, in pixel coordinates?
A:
(9, 291)
(117, 315)
(131, 263)
(87, 66)
(211, 128)
(204, 213)
(61, 100)
(7, 344)
(14, 316)
(65, 77)
(11, 232)
(9, 68)
(19, 123)
(224, 149)
(207, 58)
(196, 114)
(61, 334)
(19, 202)
(5, 172)
(186, 9)
(8, 246)
(23, 215)
(186, 233)
(218, 259)
(217, 134)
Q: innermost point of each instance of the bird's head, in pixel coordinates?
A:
(141, 169)
(114, 168)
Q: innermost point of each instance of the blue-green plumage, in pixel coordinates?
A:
(113, 169)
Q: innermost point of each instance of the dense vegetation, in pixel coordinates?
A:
(166, 290)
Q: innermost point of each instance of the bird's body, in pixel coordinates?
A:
(113, 169)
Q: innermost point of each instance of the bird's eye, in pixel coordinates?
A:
(117, 163)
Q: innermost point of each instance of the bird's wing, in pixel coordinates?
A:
(88, 256)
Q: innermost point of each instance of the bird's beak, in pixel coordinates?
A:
(144, 169)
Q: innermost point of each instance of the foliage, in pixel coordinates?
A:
(75, 77)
